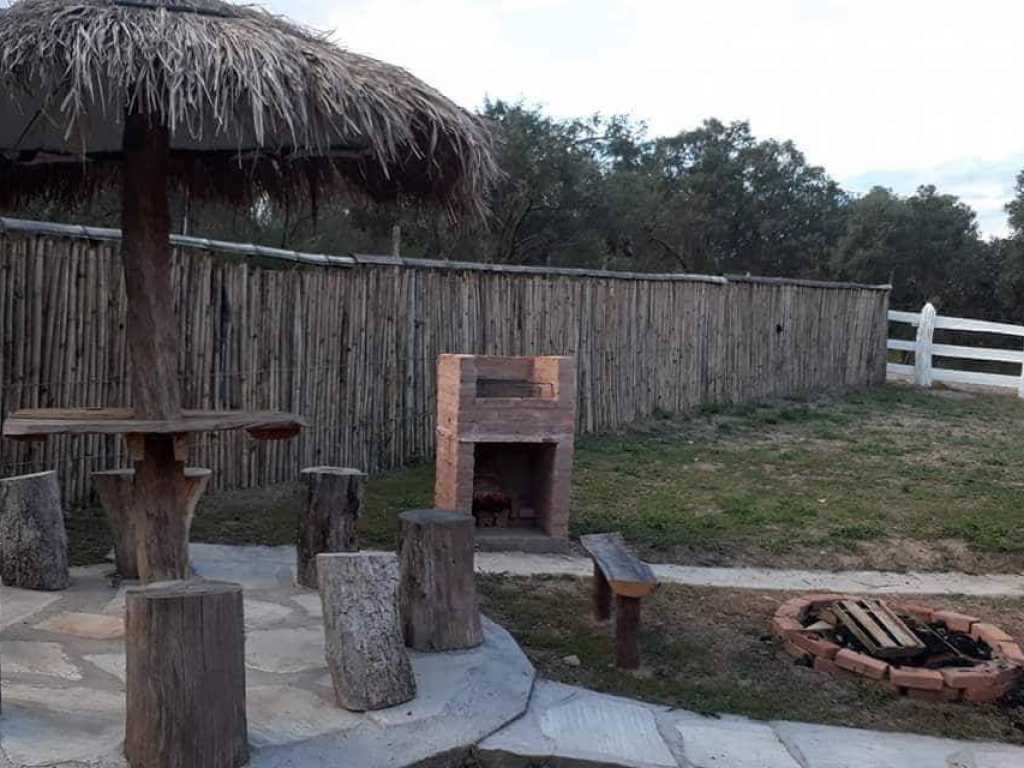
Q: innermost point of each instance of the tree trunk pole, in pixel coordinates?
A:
(153, 345)
(146, 256)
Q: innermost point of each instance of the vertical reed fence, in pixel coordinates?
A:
(352, 346)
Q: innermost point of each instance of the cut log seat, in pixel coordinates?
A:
(619, 573)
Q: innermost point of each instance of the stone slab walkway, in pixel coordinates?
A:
(63, 674)
(861, 582)
(568, 726)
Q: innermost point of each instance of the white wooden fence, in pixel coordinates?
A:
(922, 373)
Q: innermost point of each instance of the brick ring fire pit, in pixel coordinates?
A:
(945, 656)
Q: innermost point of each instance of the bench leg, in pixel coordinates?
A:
(602, 596)
(627, 625)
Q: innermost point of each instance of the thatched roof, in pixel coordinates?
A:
(255, 106)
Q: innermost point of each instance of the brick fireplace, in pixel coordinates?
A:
(505, 446)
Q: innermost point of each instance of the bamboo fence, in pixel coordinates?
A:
(353, 345)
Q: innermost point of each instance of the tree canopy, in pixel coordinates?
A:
(598, 191)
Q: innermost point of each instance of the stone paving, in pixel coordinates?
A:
(63, 670)
(861, 582)
(63, 698)
(568, 726)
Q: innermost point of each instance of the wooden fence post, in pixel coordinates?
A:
(923, 349)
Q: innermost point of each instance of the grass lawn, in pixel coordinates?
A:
(710, 650)
(892, 478)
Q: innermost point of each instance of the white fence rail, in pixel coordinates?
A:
(922, 373)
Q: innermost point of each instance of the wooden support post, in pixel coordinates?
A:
(33, 541)
(602, 596)
(439, 606)
(627, 627)
(923, 347)
(365, 653)
(123, 506)
(334, 497)
(184, 644)
(146, 253)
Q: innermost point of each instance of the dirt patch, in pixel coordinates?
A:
(711, 650)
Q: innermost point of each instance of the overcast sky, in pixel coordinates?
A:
(892, 92)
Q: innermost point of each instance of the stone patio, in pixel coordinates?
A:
(63, 672)
(63, 698)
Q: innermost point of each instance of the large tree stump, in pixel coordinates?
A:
(365, 653)
(33, 541)
(184, 642)
(328, 522)
(438, 600)
(121, 502)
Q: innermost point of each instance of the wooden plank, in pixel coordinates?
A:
(99, 422)
(904, 636)
(627, 575)
(976, 353)
(895, 316)
(902, 345)
(980, 326)
(880, 636)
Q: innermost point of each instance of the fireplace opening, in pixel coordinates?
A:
(511, 484)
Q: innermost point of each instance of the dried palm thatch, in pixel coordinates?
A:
(255, 106)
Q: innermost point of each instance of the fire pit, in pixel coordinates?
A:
(911, 649)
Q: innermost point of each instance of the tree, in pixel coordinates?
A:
(926, 245)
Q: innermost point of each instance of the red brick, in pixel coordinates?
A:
(986, 695)
(814, 645)
(1010, 652)
(793, 609)
(876, 669)
(971, 677)
(989, 633)
(918, 611)
(919, 679)
(824, 599)
(956, 622)
(783, 626)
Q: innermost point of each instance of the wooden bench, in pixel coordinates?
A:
(618, 571)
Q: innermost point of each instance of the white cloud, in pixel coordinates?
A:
(860, 85)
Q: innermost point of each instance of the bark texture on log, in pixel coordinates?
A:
(439, 606)
(116, 490)
(369, 665)
(184, 643)
(334, 497)
(146, 253)
(124, 507)
(33, 541)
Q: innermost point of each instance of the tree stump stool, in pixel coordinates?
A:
(369, 665)
(116, 489)
(327, 523)
(184, 643)
(437, 597)
(33, 541)
(618, 572)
